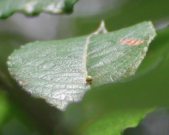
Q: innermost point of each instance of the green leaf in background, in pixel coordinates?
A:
(123, 16)
(4, 108)
(16, 127)
(112, 108)
(62, 71)
(14, 121)
(114, 123)
(33, 7)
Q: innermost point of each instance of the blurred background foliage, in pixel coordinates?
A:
(86, 18)
(13, 120)
(18, 117)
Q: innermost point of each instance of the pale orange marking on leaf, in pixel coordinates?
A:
(131, 41)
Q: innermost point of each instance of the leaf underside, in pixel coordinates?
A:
(62, 71)
(34, 7)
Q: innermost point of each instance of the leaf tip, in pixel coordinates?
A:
(102, 28)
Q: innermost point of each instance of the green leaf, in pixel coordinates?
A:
(123, 105)
(156, 52)
(116, 122)
(16, 128)
(62, 71)
(4, 108)
(33, 7)
(14, 120)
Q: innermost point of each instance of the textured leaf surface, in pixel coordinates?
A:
(62, 71)
(112, 108)
(31, 7)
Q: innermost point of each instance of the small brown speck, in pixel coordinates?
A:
(89, 80)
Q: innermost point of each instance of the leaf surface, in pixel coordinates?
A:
(112, 108)
(62, 71)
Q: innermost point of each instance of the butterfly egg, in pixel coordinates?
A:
(131, 41)
(89, 79)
